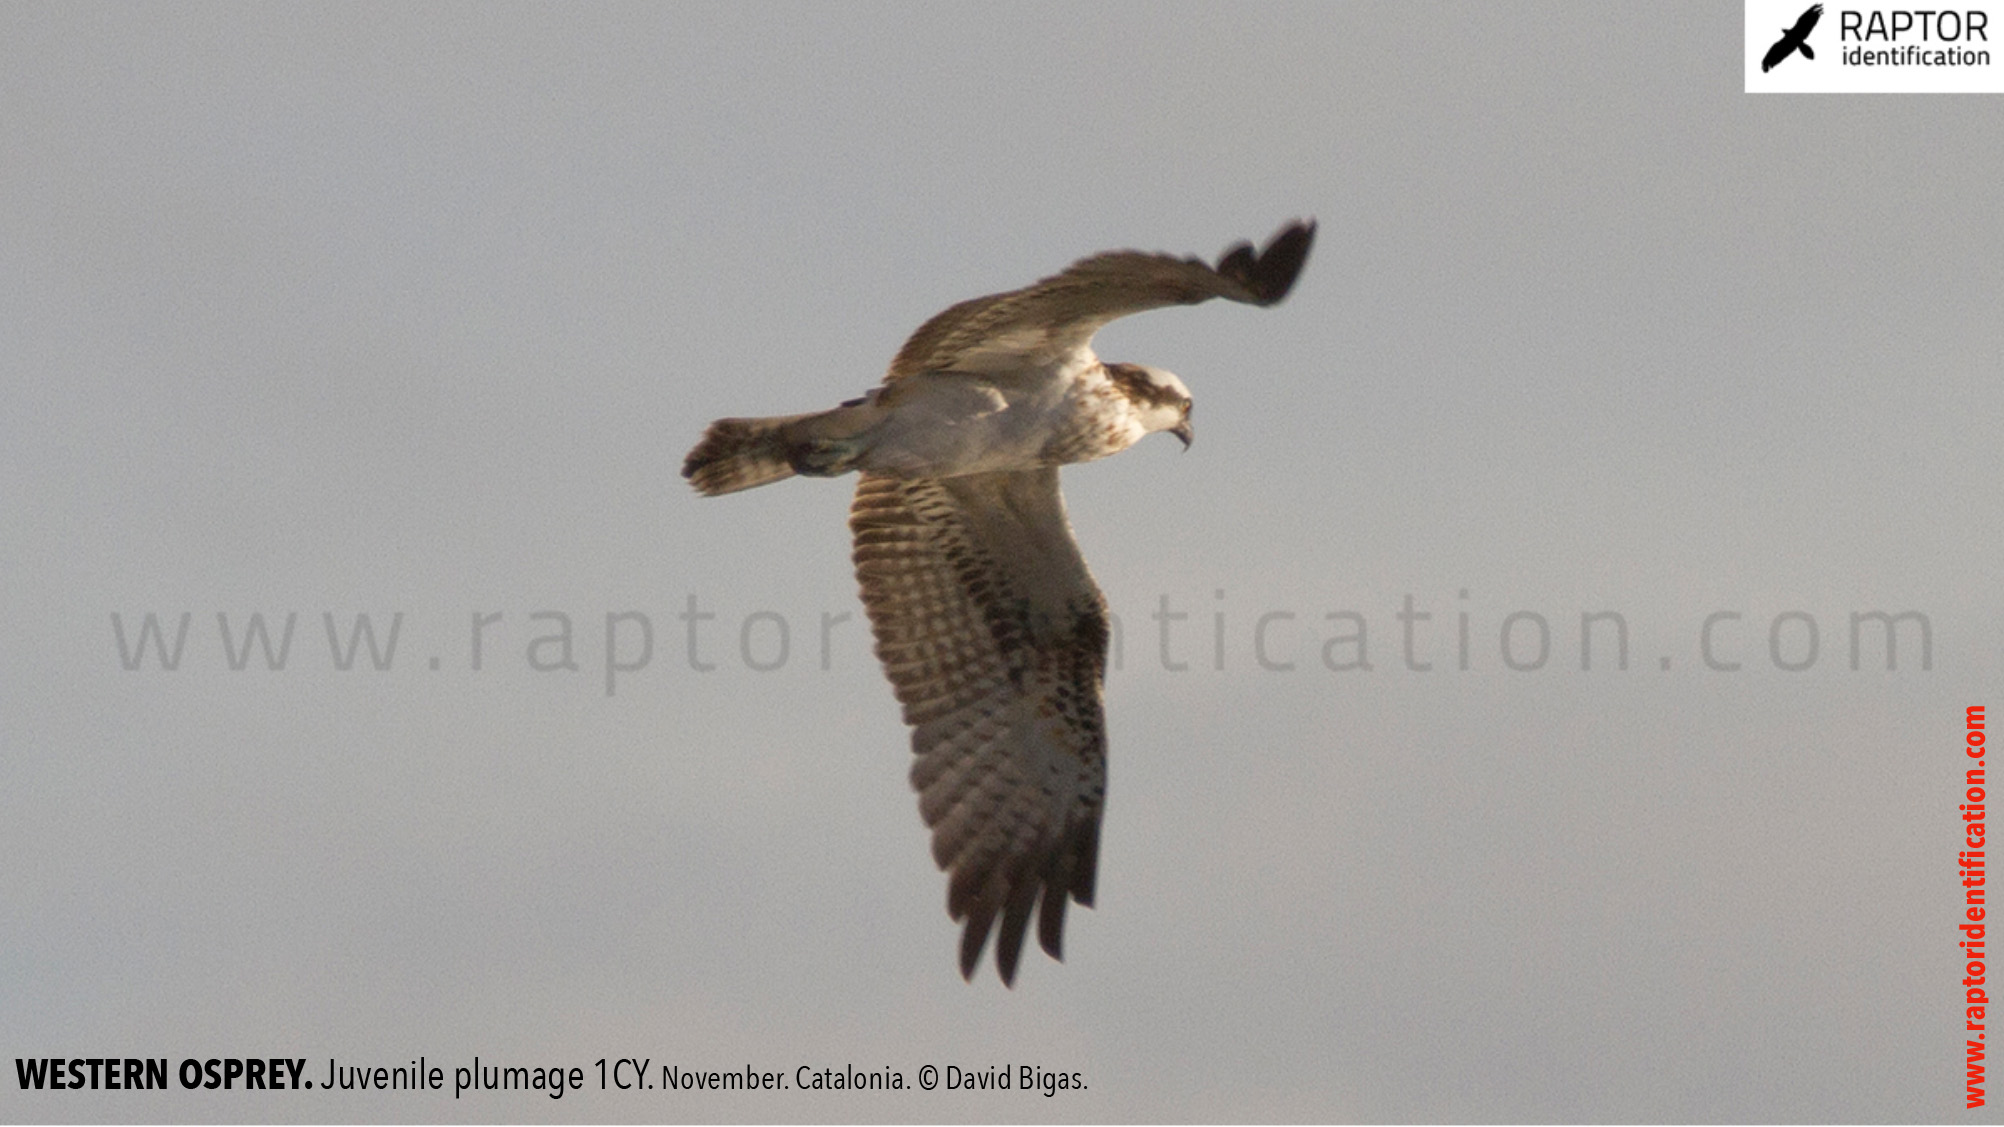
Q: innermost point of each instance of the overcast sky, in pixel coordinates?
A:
(393, 310)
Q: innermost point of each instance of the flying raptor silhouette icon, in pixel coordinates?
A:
(1793, 39)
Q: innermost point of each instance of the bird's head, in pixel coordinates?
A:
(1160, 400)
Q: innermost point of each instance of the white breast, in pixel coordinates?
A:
(945, 424)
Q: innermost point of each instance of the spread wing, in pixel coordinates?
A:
(1037, 324)
(1806, 24)
(994, 637)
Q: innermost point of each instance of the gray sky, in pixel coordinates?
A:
(387, 310)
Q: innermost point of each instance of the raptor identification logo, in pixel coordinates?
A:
(1794, 47)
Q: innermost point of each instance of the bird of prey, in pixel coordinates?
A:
(1793, 39)
(987, 622)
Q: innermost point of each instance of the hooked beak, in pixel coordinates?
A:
(1182, 430)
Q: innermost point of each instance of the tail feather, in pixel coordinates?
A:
(738, 454)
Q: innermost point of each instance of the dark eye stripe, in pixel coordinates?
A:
(1134, 382)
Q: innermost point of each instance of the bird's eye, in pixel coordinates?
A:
(1187, 405)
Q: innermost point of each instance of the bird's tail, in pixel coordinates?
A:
(1806, 52)
(738, 454)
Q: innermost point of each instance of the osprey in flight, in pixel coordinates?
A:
(988, 624)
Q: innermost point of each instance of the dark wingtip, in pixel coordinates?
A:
(1005, 963)
(980, 921)
(1270, 273)
(1051, 921)
(973, 940)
